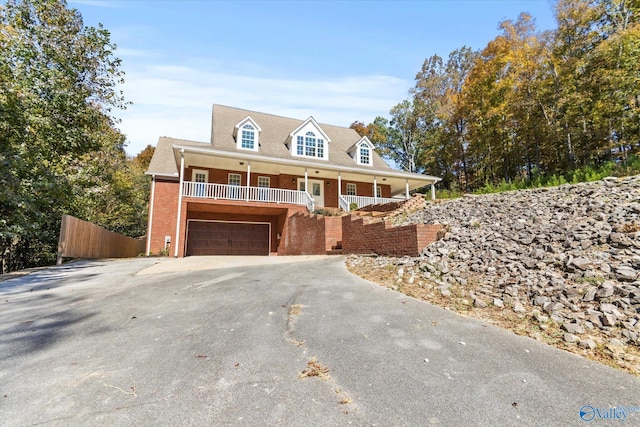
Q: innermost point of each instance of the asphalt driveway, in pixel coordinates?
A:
(216, 341)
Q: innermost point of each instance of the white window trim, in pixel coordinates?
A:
(239, 179)
(268, 180)
(360, 161)
(355, 188)
(194, 172)
(309, 125)
(378, 193)
(364, 144)
(237, 133)
(241, 132)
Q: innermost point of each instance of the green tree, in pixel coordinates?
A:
(58, 83)
(439, 88)
(400, 140)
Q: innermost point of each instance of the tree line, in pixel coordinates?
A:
(60, 149)
(530, 104)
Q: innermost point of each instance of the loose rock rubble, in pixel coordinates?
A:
(567, 257)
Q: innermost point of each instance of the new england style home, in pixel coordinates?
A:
(237, 194)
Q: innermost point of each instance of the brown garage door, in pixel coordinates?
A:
(227, 238)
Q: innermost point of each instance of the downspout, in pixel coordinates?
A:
(248, 179)
(339, 188)
(149, 228)
(179, 202)
(433, 191)
(375, 190)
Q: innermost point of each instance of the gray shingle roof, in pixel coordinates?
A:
(163, 161)
(276, 130)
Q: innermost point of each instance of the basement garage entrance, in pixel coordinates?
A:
(227, 238)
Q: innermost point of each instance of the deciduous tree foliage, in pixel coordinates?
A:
(529, 104)
(60, 151)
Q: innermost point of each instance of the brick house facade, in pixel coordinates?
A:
(252, 189)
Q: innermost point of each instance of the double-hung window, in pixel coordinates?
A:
(351, 189)
(365, 155)
(248, 137)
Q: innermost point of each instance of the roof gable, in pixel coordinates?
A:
(363, 141)
(309, 125)
(276, 132)
(243, 122)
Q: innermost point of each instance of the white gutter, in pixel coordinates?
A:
(306, 164)
(177, 241)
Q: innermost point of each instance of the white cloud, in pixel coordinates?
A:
(170, 100)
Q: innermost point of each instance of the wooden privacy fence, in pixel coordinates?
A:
(82, 239)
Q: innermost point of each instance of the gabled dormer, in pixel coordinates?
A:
(247, 134)
(362, 152)
(309, 140)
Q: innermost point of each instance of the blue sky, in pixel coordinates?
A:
(338, 61)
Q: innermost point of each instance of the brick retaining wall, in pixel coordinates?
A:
(366, 235)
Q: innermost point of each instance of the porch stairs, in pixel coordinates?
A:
(336, 249)
(415, 203)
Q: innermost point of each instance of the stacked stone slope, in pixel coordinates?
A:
(569, 255)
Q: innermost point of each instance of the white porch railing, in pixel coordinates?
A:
(343, 204)
(362, 201)
(248, 194)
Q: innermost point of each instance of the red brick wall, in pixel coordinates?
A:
(365, 189)
(165, 205)
(299, 236)
(332, 231)
(310, 234)
(369, 235)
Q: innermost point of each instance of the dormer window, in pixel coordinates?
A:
(365, 155)
(247, 134)
(310, 145)
(362, 152)
(308, 140)
(248, 139)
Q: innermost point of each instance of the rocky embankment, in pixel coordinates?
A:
(567, 258)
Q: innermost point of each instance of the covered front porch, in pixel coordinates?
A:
(221, 175)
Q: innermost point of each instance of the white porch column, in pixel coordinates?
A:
(177, 239)
(375, 189)
(433, 191)
(248, 178)
(149, 228)
(339, 187)
(306, 180)
(406, 190)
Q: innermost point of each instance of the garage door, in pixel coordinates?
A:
(227, 238)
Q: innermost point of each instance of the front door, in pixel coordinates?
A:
(316, 190)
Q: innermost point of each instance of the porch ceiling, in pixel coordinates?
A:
(397, 180)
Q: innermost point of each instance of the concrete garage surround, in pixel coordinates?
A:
(216, 341)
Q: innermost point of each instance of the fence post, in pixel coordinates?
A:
(62, 239)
